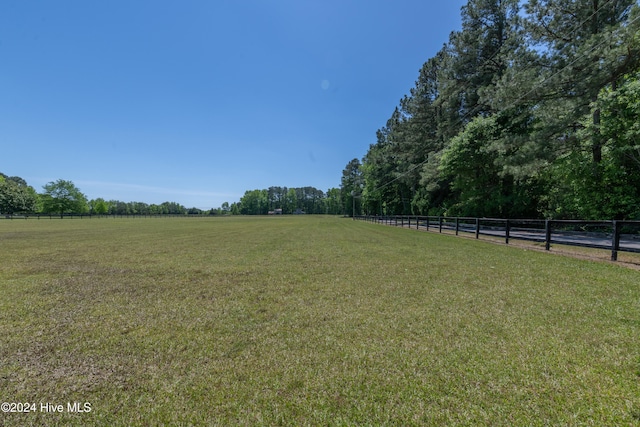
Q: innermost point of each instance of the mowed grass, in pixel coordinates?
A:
(308, 321)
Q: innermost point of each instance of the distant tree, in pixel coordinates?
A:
(291, 201)
(276, 198)
(98, 206)
(235, 208)
(63, 196)
(351, 186)
(312, 200)
(333, 204)
(173, 208)
(138, 208)
(255, 202)
(119, 207)
(16, 195)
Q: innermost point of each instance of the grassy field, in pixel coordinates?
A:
(308, 321)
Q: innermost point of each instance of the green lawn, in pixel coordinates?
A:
(308, 321)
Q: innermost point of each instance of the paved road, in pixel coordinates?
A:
(568, 238)
(630, 243)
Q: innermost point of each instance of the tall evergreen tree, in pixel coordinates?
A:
(351, 187)
(499, 121)
(576, 48)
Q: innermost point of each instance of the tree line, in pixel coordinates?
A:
(285, 200)
(63, 197)
(530, 110)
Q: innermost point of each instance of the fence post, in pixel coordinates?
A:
(615, 241)
(477, 228)
(507, 232)
(427, 223)
(547, 235)
(457, 225)
(440, 218)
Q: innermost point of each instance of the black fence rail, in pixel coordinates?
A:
(616, 236)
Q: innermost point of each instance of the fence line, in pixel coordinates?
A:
(617, 236)
(90, 216)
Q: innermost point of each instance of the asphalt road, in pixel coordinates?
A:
(628, 242)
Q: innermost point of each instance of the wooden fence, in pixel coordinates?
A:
(615, 236)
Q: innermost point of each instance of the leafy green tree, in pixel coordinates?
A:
(16, 196)
(291, 202)
(63, 197)
(98, 206)
(235, 208)
(312, 200)
(119, 207)
(276, 198)
(254, 202)
(173, 208)
(470, 164)
(333, 204)
(482, 186)
(620, 124)
(608, 187)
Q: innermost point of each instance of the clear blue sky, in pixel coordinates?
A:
(198, 101)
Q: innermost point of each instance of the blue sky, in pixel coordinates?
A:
(198, 101)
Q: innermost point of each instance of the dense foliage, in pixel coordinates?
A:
(532, 109)
(63, 197)
(308, 200)
(16, 195)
